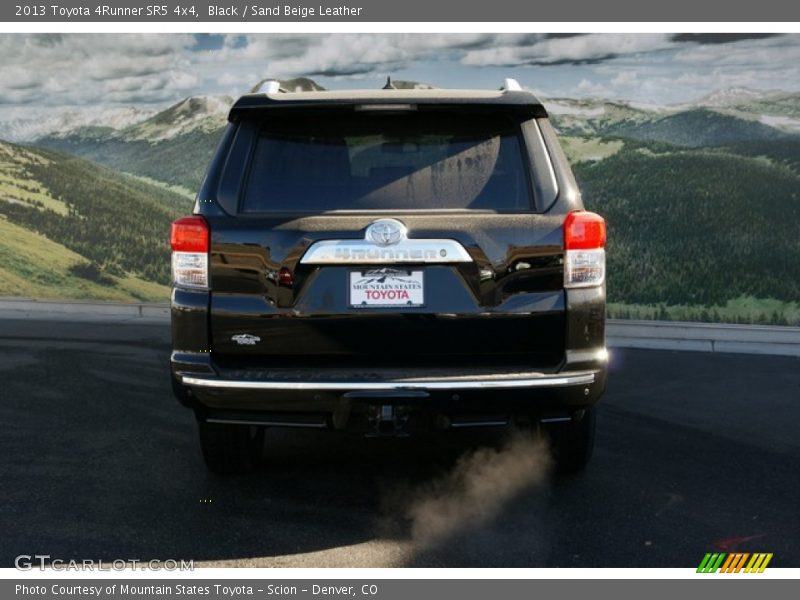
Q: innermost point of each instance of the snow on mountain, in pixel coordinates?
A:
(769, 107)
(591, 116)
(62, 124)
(198, 112)
(561, 107)
(649, 107)
(780, 122)
(203, 113)
(729, 97)
(208, 113)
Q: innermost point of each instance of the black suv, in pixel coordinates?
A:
(388, 261)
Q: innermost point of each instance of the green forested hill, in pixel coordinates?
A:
(179, 161)
(696, 128)
(698, 227)
(173, 146)
(702, 205)
(115, 227)
(783, 152)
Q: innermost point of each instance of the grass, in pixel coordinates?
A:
(746, 309)
(589, 149)
(33, 266)
(18, 185)
(176, 189)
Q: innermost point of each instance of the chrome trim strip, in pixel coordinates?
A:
(466, 424)
(267, 423)
(363, 252)
(543, 381)
(555, 419)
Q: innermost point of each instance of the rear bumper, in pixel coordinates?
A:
(346, 399)
(264, 392)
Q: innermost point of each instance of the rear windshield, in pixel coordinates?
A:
(369, 161)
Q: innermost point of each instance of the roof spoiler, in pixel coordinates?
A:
(511, 98)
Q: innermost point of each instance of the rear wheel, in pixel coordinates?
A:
(572, 443)
(181, 392)
(230, 449)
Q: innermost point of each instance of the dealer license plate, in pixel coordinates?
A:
(386, 287)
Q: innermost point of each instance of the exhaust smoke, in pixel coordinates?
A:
(477, 489)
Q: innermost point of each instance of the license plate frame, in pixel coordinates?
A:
(386, 288)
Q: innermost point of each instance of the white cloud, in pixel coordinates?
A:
(287, 55)
(768, 52)
(230, 79)
(588, 88)
(81, 69)
(182, 81)
(85, 70)
(625, 79)
(582, 48)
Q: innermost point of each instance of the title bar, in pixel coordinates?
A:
(265, 11)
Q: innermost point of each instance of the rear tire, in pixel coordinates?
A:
(230, 449)
(572, 443)
(181, 392)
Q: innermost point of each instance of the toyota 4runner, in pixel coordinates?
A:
(388, 261)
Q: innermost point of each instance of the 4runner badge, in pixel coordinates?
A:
(245, 339)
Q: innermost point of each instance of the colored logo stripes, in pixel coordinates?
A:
(735, 562)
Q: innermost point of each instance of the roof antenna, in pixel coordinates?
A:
(389, 85)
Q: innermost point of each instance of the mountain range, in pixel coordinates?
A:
(779, 110)
(175, 144)
(696, 195)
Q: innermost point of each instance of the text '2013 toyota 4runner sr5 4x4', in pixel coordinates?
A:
(388, 261)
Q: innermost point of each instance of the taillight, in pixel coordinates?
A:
(584, 250)
(285, 277)
(189, 241)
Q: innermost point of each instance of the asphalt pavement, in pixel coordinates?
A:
(696, 452)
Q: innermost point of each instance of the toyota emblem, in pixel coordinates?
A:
(386, 232)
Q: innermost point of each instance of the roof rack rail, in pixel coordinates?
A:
(511, 85)
(270, 86)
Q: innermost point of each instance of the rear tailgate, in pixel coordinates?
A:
(407, 236)
(502, 302)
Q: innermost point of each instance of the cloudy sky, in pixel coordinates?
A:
(70, 71)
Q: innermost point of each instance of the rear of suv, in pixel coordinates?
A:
(387, 262)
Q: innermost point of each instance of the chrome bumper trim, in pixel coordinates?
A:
(258, 423)
(541, 381)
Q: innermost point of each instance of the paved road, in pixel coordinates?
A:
(696, 452)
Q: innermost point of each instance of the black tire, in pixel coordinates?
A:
(181, 392)
(230, 449)
(572, 443)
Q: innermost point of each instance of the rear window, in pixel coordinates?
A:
(374, 161)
